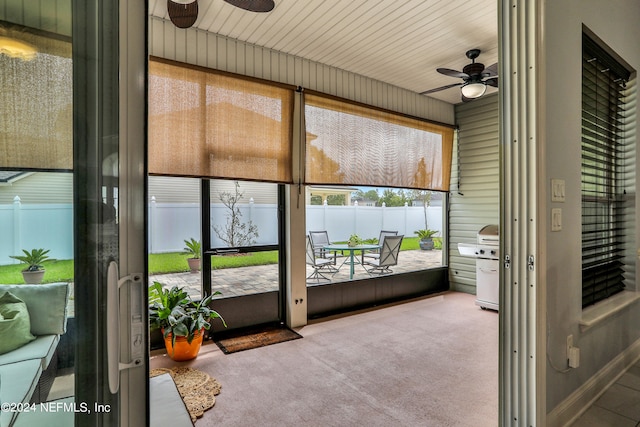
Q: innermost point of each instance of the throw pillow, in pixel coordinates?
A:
(15, 326)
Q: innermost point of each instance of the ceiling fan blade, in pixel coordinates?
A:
(438, 89)
(452, 73)
(493, 81)
(183, 15)
(253, 5)
(491, 70)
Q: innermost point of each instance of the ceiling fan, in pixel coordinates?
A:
(475, 77)
(183, 13)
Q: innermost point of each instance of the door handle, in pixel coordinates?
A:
(114, 364)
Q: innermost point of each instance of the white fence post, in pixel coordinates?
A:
(325, 206)
(152, 216)
(406, 218)
(251, 209)
(384, 205)
(17, 233)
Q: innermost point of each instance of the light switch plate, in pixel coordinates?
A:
(557, 190)
(556, 219)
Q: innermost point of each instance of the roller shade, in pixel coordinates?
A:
(351, 144)
(208, 124)
(36, 110)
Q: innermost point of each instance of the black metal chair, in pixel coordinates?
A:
(318, 264)
(388, 256)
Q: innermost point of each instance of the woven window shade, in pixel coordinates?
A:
(355, 145)
(205, 124)
(36, 110)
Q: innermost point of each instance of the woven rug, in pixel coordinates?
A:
(197, 388)
(254, 337)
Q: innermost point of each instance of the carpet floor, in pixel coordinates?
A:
(427, 362)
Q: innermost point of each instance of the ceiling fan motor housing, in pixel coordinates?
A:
(474, 69)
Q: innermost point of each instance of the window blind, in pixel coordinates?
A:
(604, 197)
(207, 124)
(36, 110)
(351, 144)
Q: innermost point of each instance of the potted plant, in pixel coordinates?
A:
(426, 238)
(181, 320)
(194, 249)
(34, 272)
(354, 240)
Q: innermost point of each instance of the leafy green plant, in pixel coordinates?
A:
(173, 311)
(425, 234)
(33, 259)
(193, 248)
(354, 240)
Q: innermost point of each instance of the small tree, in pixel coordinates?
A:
(235, 232)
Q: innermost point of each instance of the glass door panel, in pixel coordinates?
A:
(61, 196)
(243, 250)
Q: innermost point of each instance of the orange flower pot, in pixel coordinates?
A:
(183, 350)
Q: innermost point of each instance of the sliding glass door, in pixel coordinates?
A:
(71, 188)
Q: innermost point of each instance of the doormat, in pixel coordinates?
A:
(197, 389)
(254, 337)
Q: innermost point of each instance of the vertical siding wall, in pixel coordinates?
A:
(47, 15)
(210, 50)
(475, 184)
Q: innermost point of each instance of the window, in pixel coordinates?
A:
(607, 184)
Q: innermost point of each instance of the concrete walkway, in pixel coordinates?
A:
(264, 278)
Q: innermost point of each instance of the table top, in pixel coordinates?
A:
(345, 247)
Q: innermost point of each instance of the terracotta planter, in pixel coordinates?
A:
(33, 277)
(183, 350)
(194, 264)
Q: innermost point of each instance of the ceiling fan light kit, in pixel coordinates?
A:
(473, 90)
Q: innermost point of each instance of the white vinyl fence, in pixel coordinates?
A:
(50, 226)
(33, 226)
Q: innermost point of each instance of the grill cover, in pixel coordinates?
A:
(489, 235)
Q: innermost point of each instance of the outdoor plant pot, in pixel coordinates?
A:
(33, 277)
(183, 350)
(427, 244)
(194, 264)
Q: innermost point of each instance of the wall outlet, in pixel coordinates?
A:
(574, 357)
(573, 353)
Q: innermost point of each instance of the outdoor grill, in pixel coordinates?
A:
(487, 254)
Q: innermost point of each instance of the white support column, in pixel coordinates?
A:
(295, 226)
(522, 311)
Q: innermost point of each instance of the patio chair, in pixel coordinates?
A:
(375, 253)
(388, 256)
(318, 240)
(318, 264)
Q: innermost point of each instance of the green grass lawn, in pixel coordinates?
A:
(174, 262)
(56, 271)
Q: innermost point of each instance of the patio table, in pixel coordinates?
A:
(351, 259)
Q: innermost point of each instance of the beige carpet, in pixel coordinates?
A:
(428, 362)
(197, 389)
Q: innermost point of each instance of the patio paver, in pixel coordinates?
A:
(264, 278)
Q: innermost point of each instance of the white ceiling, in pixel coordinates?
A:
(400, 42)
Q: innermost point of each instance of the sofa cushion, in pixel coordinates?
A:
(19, 380)
(42, 348)
(15, 326)
(47, 305)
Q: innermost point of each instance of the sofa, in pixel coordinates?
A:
(27, 371)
